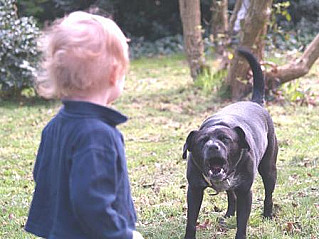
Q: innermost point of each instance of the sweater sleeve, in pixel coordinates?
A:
(93, 190)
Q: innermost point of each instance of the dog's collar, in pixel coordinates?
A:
(229, 174)
(206, 177)
(242, 152)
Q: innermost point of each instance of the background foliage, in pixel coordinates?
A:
(154, 19)
(153, 26)
(18, 51)
(294, 23)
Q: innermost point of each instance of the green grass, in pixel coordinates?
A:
(163, 106)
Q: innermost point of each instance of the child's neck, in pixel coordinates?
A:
(96, 98)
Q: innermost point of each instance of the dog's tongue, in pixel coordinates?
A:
(216, 170)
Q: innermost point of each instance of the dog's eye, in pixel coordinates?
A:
(224, 139)
(204, 139)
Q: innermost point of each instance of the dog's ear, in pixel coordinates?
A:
(189, 143)
(242, 138)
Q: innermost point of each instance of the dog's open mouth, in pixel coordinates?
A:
(216, 172)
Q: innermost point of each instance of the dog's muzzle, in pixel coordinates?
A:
(215, 161)
(215, 168)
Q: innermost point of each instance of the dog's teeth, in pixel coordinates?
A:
(210, 173)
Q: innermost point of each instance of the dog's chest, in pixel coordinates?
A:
(220, 186)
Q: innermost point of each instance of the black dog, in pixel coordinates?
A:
(226, 152)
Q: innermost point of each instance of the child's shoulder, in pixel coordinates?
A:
(80, 127)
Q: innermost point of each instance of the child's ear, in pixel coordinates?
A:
(114, 74)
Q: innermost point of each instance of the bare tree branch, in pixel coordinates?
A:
(294, 69)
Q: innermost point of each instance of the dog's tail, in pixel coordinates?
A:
(258, 78)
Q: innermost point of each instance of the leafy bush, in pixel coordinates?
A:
(295, 93)
(139, 47)
(294, 24)
(18, 50)
(213, 81)
(144, 18)
(41, 10)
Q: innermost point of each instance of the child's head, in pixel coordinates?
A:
(81, 53)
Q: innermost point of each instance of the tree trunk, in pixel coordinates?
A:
(295, 69)
(219, 24)
(252, 33)
(192, 32)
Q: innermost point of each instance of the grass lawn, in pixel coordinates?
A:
(163, 106)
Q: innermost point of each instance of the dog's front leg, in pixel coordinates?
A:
(244, 199)
(231, 198)
(194, 202)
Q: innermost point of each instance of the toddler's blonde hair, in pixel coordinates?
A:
(80, 51)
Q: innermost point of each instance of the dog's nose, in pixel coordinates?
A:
(213, 145)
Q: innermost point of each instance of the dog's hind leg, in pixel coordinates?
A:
(268, 171)
(231, 198)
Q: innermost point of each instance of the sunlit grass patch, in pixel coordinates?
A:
(163, 107)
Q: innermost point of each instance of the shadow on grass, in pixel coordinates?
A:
(15, 102)
(187, 100)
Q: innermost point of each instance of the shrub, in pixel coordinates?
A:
(18, 49)
(294, 24)
(213, 81)
(139, 47)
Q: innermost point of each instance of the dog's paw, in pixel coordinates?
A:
(267, 216)
(229, 214)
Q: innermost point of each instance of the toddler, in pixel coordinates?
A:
(82, 188)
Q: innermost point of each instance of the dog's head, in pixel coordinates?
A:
(215, 149)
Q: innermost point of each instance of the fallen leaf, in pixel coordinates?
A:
(294, 204)
(289, 227)
(217, 209)
(203, 226)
